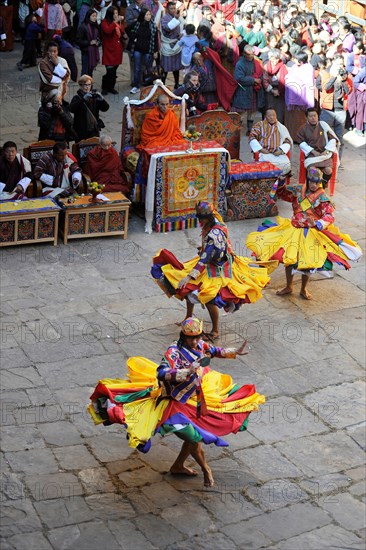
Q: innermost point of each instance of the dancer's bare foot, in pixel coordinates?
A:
(305, 294)
(183, 471)
(208, 479)
(284, 291)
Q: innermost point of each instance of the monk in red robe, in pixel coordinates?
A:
(104, 166)
(160, 126)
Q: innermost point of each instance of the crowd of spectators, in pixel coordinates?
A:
(278, 53)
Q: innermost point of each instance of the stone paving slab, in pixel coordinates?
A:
(308, 376)
(16, 438)
(359, 489)
(18, 516)
(35, 461)
(323, 538)
(53, 486)
(89, 371)
(327, 484)
(204, 541)
(60, 433)
(83, 535)
(11, 485)
(75, 457)
(198, 517)
(339, 406)
(154, 529)
(317, 455)
(289, 522)
(347, 327)
(282, 419)
(276, 494)
(129, 536)
(349, 512)
(358, 434)
(28, 541)
(63, 511)
(21, 378)
(266, 463)
(110, 506)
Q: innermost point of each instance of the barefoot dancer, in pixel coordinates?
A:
(217, 278)
(180, 375)
(308, 242)
(181, 396)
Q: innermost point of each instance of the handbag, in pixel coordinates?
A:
(150, 74)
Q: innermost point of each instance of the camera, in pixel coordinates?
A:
(342, 72)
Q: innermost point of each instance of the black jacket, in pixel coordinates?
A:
(84, 37)
(86, 114)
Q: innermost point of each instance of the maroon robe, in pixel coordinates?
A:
(105, 167)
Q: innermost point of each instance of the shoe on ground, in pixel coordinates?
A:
(19, 66)
(358, 132)
(341, 167)
(104, 92)
(134, 90)
(114, 92)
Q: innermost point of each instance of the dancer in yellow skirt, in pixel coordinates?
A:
(181, 396)
(217, 278)
(308, 242)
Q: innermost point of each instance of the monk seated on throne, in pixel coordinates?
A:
(160, 126)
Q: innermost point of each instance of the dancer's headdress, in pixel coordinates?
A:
(205, 209)
(192, 326)
(314, 174)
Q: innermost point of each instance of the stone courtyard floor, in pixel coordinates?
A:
(73, 314)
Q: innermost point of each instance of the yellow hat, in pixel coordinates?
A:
(192, 326)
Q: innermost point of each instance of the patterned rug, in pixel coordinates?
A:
(248, 190)
(182, 181)
(28, 205)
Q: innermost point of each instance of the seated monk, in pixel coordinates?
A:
(59, 172)
(15, 172)
(160, 126)
(104, 166)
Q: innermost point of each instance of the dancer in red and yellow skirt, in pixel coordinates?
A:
(182, 395)
(216, 278)
(307, 243)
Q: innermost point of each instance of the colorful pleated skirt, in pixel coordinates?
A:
(240, 281)
(306, 249)
(138, 403)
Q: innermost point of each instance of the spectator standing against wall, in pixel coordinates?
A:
(170, 50)
(112, 36)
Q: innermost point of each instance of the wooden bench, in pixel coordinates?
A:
(85, 218)
(29, 221)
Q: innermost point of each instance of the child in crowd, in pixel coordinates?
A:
(204, 37)
(324, 24)
(188, 44)
(32, 31)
